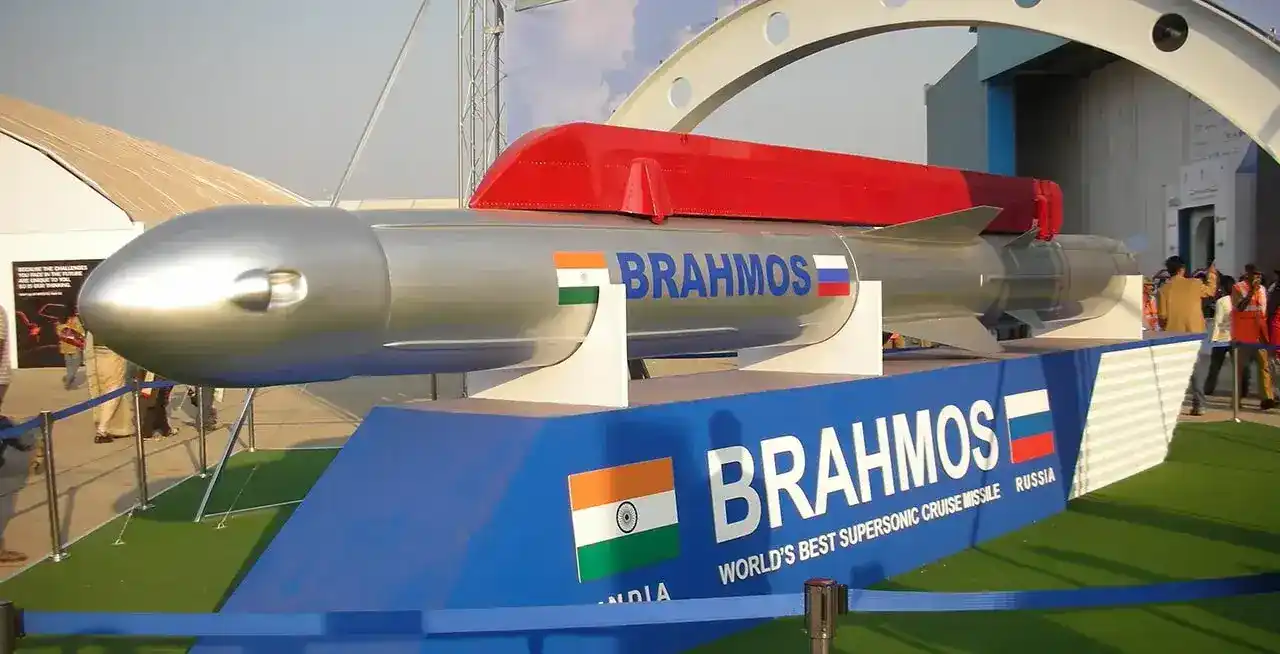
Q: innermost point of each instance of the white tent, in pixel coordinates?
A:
(73, 192)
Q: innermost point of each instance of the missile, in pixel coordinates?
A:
(248, 296)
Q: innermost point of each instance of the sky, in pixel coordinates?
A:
(282, 88)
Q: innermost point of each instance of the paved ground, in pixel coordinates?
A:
(97, 482)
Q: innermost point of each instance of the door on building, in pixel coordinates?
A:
(1196, 236)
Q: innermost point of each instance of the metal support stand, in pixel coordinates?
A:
(253, 434)
(51, 489)
(226, 454)
(824, 600)
(1235, 383)
(638, 369)
(11, 627)
(202, 432)
(140, 450)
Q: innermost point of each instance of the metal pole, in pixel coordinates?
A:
(140, 450)
(824, 599)
(11, 628)
(51, 486)
(253, 435)
(226, 454)
(495, 94)
(382, 101)
(202, 433)
(463, 164)
(1235, 382)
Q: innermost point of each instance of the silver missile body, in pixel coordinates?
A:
(256, 296)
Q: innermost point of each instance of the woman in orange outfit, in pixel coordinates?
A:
(1150, 316)
(1249, 330)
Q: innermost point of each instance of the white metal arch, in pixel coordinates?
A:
(1224, 61)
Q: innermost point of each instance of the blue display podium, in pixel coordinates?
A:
(710, 485)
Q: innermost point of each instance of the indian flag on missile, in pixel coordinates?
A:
(579, 276)
(833, 275)
(624, 518)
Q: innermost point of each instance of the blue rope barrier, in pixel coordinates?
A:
(880, 601)
(61, 414)
(600, 616)
(19, 429)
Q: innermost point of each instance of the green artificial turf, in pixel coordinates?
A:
(159, 560)
(1209, 511)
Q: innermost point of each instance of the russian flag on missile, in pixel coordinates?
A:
(1030, 425)
(833, 275)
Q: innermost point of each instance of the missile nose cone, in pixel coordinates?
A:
(239, 296)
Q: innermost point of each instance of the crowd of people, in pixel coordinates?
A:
(114, 419)
(1243, 313)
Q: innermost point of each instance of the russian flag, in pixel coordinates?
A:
(1030, 425)
(833, 275)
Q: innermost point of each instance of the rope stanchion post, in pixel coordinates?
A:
(202, 432)
(51, 488)
(10, 627)
(824, 600)
(1235, 382)
(252, 438)
(140, 450)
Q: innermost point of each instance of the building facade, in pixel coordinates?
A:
(1139, 159)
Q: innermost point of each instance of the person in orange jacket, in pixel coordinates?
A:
(1150, 315)
(1250, 331)
(1273, 330)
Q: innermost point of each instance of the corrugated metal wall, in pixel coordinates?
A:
(1268, 213)
(956, 109)
(1129, 149)
(1115, 141)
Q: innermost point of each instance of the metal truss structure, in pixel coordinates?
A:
(480, 136)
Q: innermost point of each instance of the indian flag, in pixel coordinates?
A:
(624, 518)
(580, 276)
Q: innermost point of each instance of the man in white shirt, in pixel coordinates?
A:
(1219, 333)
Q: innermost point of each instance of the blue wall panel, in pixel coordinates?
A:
(430, 509)
(1001, 128)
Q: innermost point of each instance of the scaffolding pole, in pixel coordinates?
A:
(481, 24)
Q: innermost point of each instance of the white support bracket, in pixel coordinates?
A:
(1121, 322)
(855, 349)
(594, 375)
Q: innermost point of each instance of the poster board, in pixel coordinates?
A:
(44, 293)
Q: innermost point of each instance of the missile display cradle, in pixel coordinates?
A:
(559, 481)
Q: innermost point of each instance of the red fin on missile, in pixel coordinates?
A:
(585, 167)
(646, 192)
